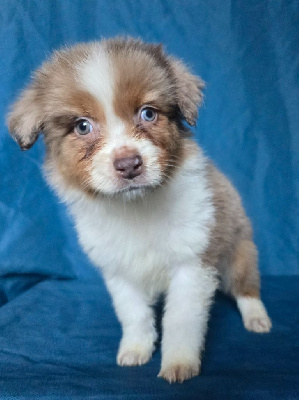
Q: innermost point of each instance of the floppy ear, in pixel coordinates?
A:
(189, 90)
(25, 118)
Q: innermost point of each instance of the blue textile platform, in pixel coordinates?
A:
(59, 338)
(58, 332)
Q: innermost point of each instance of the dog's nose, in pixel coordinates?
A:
(128, 167)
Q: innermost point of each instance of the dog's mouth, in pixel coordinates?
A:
(134, 191)
(134, 188)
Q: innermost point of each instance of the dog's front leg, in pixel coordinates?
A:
(185, 320)
(137, 320)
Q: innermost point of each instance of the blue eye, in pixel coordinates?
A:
(148, 114)
(83, 127)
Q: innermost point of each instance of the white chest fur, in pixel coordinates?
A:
(144, 239)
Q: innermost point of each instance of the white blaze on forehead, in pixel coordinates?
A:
(96, 75)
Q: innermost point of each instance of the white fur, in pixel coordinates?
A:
(138, 326)
(185, 322)
(151, 246)
(142, 240)
(95, 74)
(254, 314)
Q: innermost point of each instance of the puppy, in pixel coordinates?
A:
(151, 211)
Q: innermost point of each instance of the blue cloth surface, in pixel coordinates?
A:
(60, 338)
(59, 334)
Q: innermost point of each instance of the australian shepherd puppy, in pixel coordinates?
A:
(151, 211)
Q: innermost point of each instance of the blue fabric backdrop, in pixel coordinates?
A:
(58, 333)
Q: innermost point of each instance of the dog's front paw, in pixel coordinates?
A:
(135, 354)
(179, 372)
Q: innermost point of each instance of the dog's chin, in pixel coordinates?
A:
(127, 190)
(133, 192)
(129, 193)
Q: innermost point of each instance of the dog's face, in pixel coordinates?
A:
(112, 115)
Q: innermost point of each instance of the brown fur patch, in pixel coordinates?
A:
(231, 248)
(142, 76)
(25, 119)
(147, 64)
(189, 91)
(84, 104)
(243, 274)
(73, 158)
(52, 93)
(61, 102)
(71, 153)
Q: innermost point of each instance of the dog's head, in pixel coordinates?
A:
(112, 114)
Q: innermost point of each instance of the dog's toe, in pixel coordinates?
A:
(179, 372)
(134, 356)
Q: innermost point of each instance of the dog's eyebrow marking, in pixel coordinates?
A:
(65, 121)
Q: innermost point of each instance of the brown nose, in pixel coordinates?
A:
(128, 167)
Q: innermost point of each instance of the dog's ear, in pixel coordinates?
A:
(25, 118)
(189, 90)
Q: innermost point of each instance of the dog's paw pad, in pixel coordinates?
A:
(179, 372)
(133, 357)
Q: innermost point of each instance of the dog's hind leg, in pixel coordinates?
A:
(241, 279)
